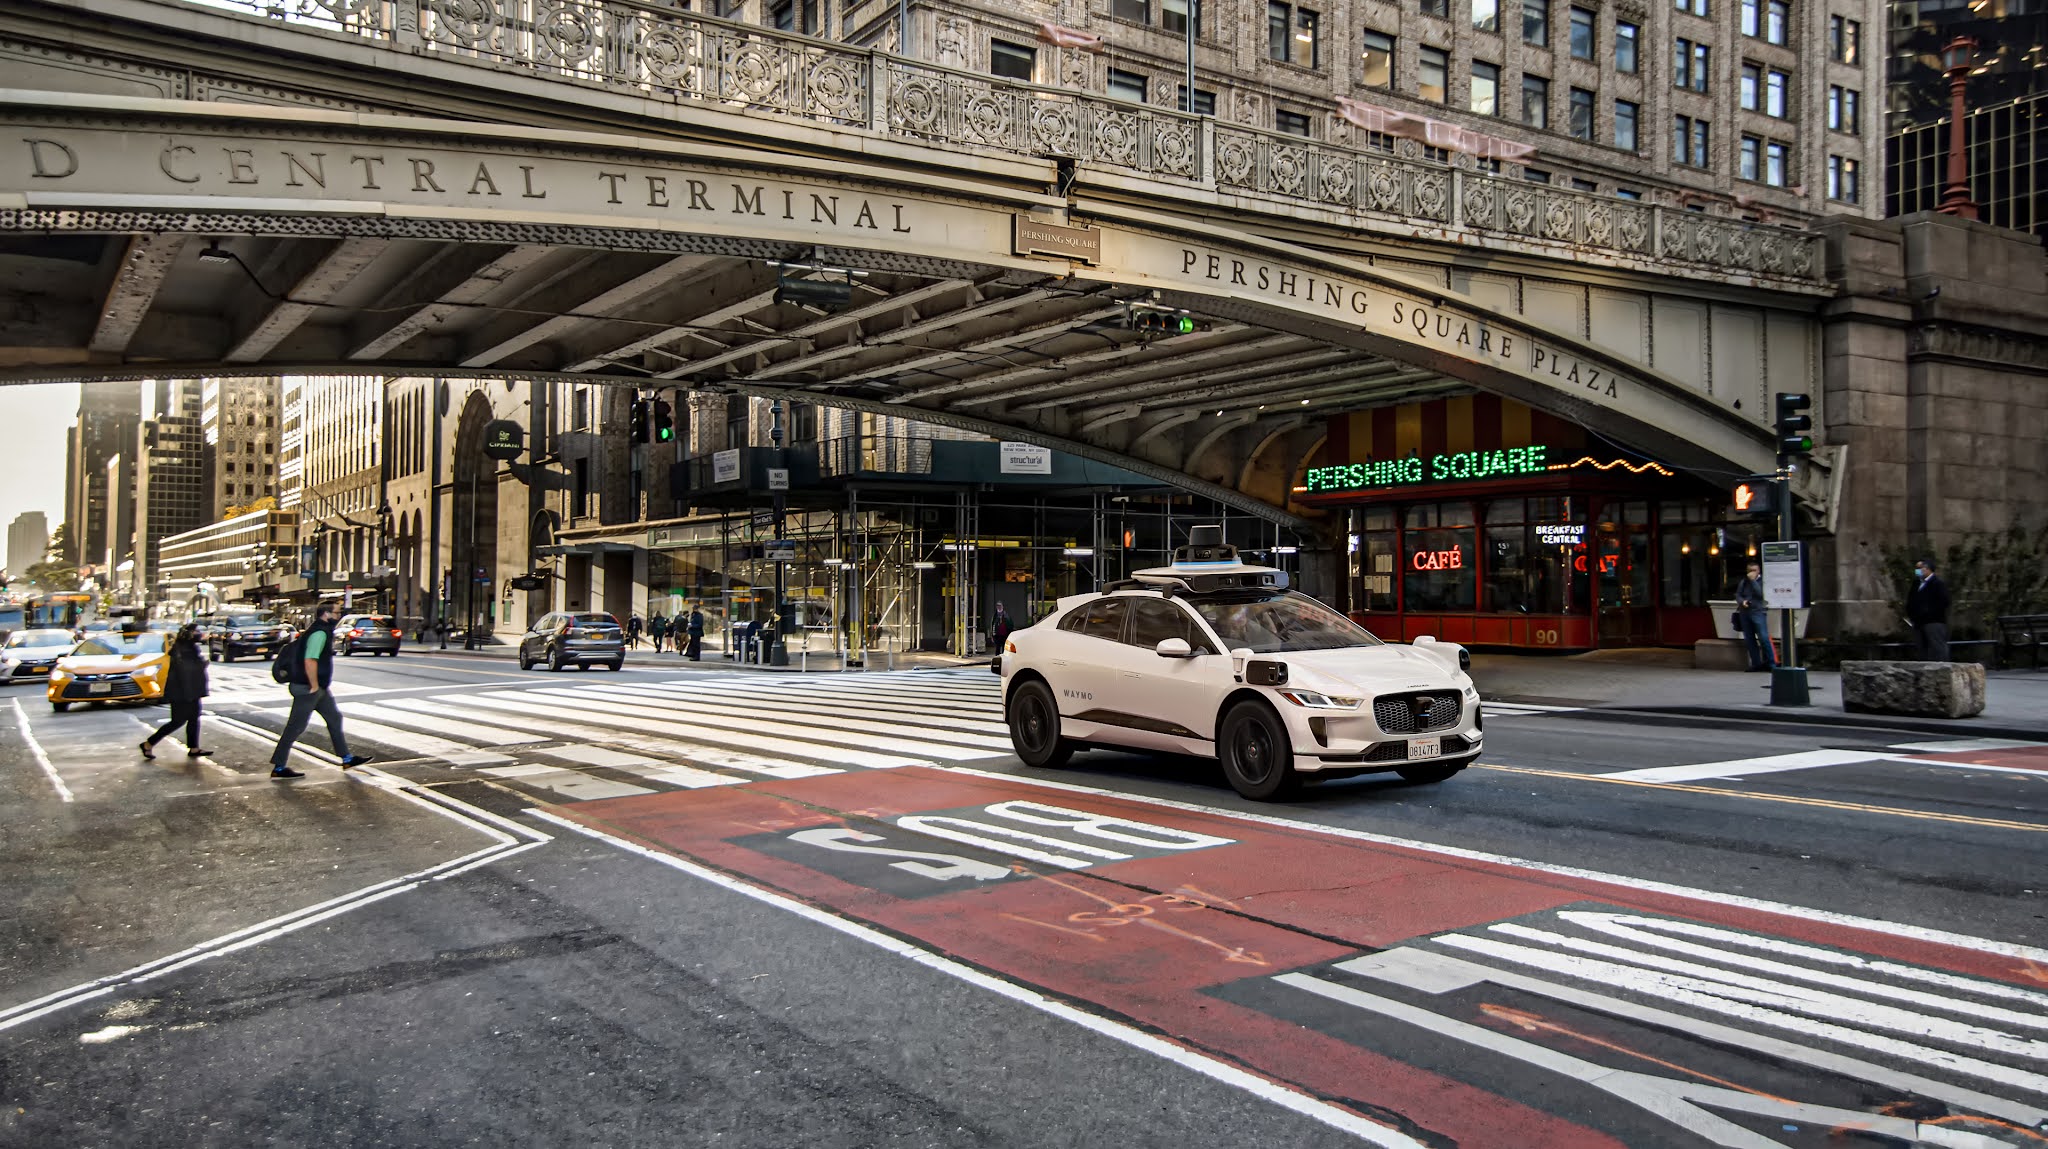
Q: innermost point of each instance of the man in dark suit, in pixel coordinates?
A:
(1927, 610)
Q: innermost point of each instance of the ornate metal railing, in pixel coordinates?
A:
(647, 49)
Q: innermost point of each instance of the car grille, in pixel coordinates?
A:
(123, 686)
(1417, 713)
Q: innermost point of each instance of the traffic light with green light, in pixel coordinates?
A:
(664, 421)
(1159, 321)
(1795, 426)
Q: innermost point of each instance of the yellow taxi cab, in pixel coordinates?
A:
(112, 666)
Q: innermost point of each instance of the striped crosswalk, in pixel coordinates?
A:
(619, 739)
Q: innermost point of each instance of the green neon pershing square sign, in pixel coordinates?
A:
(1461, 466)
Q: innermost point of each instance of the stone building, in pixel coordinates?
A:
(238, 418)
(171, 495)
(107, 417)
(28, 537)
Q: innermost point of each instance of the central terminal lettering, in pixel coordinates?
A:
(1505, 462)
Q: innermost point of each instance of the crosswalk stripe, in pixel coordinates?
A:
(571, 784)
(659, 771)
(948, 704)
(783, 700)
(826, 717)
(1745, 767)
(786, 730)
(648, 719)
(440, 723)
(638, 739)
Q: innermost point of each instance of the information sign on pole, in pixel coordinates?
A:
(778, 478)
(1784, 566)
(779, 550)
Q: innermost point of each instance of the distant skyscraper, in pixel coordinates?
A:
(239, 418)
(28, 537)
(171, 491)
(107, 418)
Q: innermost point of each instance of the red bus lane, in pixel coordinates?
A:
(1457, 1000)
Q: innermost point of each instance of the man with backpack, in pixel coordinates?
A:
(307, 663)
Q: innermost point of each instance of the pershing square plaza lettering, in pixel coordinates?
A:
(1435, 469)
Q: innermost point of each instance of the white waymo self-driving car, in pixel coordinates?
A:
(1216, 658)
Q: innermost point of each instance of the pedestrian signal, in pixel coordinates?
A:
(1756, 495)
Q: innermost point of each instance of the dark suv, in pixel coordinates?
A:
(367, 634)
(567, 637)
(239, 635)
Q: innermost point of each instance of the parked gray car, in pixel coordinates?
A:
(567, 638)
(367, 634)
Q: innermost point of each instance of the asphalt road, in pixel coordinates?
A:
(663, 908)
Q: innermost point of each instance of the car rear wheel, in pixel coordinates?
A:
(1035, 727)
(60, 707)
(615, 664)
(1434, 772)
(1257, 757)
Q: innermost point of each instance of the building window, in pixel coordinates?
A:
(1126, 86)
(1842, 175)
(1441, 9)
(1174, 15)
(1752, 84)
(1777, 168)
(1845, 40)
(1776, 86)
(1293, 35)
(1844, 112)
(1579, 185)
(1136, 11)
(1581, 125)
(1696, 7)
(1486, 15)
(1536, 22)
(1627, 193)
(1433, 74)
(1012, 61)
(1750, 163)
(1536, 101)
(1625, 37)
(1205, 101)
(1376, 66)
(1582, 34)
(1485, 88)
(1689, 141)
(1535, 177)
(1689, 64)
(795, 16)
(1290, 123)
(1777, 21)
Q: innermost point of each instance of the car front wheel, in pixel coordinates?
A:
(1035, 727)
(525, 663)
(1257, 756)
(60, 707)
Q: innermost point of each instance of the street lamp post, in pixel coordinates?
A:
(319, 558)
(1956, 61)
(384, 551)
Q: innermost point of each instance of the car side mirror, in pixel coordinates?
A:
(1174, 648)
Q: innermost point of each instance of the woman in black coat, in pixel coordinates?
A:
(184, 686)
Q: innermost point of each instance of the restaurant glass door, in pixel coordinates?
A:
(1624, 548)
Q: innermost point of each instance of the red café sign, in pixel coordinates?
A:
(1450, 560)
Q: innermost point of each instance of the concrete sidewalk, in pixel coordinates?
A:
(1664, 682)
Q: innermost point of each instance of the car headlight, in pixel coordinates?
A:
(57, 672)
(150, 671)
(1315, 701)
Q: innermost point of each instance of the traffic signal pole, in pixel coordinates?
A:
(1793, 424)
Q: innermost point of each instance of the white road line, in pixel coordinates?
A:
(656, 769)
(820, 726)
(423, 745)
(503, 845)
(1739, 901)
(1529, 707)
(637, 740)
(572, 784)
(440, 724)
(1333, 1116)
(815, 714)
(963, 708)
(1744, 767)
(920, 716)
(1969, 745)
(35, 749)
(647, 719)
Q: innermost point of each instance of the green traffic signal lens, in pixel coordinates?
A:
(1186, 325)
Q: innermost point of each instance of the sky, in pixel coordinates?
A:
(37, 419)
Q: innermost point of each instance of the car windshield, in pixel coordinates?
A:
(122, 643)
(1280, 622)
(39, 638)
(250, 621)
